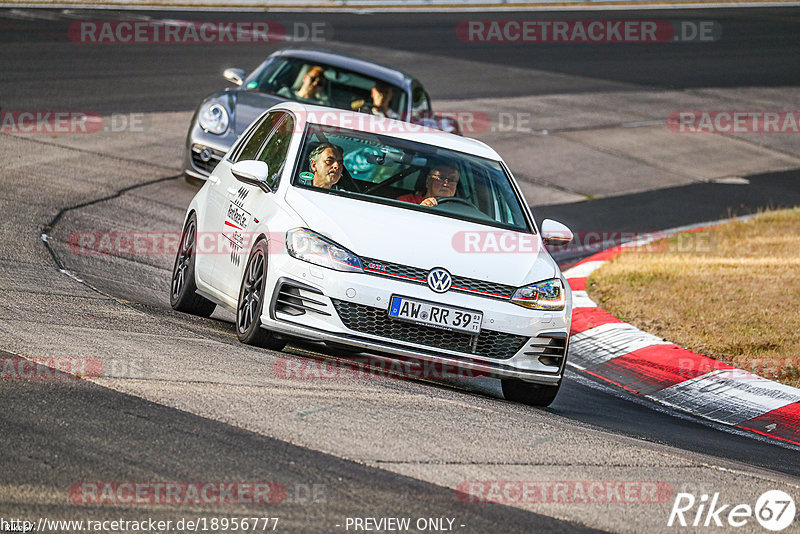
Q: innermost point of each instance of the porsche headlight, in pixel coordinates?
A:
(213, 118)
(309, 246)
(548, 295)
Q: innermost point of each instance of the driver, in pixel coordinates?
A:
(441, 182)
(326, 164)
(312, 88)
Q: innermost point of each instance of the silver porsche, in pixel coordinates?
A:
(308, 76)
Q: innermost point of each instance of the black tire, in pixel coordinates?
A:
(183, 290)
(530, 394)
(251, 302)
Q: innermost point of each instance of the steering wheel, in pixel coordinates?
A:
(455, 199)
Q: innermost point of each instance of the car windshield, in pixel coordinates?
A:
(408, 174)
(316, 83)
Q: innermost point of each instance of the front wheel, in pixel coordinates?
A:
(527, 393)
(182, 295)
(251, 302)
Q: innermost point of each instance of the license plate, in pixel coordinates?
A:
(435, 315)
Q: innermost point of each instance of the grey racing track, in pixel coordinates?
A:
(183, 401)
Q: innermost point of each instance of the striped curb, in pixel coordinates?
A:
(614, 351)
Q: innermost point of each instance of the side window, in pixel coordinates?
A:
(274, 153)
(250, 148)
(420, 102)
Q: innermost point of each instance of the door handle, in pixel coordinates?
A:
(233, 190)
(213, 179)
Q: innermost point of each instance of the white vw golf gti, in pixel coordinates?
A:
(382, 236)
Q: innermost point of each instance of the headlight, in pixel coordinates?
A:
(308, 246)
(213, 118)
(548, 295)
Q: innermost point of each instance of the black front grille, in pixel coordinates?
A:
(376, 321)
(486, 288)
(415, 275)
(206, 167)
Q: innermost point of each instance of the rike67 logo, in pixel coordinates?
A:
(774, 510)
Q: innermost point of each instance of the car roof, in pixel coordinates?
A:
(364, 122)
(333, 59)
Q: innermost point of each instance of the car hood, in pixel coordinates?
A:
(249, 106)
(418, 239)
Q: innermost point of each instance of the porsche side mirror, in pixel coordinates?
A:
(235, 76)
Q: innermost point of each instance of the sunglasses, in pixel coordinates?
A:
(444, 179)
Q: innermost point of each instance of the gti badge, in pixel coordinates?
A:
(439, 280)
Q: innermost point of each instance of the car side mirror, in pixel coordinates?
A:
(554, 233)
(235, 76)
(252, 172)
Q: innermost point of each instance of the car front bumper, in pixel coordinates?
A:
(320, 304)
(203, 150)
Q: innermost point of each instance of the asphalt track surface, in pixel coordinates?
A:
(75, 430)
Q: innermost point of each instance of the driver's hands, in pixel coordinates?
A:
(429, 202)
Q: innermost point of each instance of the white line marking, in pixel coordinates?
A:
(583, 270)
(580, 299)
(609, 341)
(729, 396)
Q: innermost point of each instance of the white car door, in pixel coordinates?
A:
(246, 205)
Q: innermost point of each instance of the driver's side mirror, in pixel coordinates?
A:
(554, 233)
(252, 172)
(235, 76)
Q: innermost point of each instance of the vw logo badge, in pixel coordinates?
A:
(439, 280)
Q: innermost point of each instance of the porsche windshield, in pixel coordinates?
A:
(410, 175)
(315, 83)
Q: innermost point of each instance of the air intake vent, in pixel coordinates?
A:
(292, 299)
(550, 347)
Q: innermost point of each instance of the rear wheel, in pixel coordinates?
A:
(530, 394)
(183, 293)
(251, 302)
